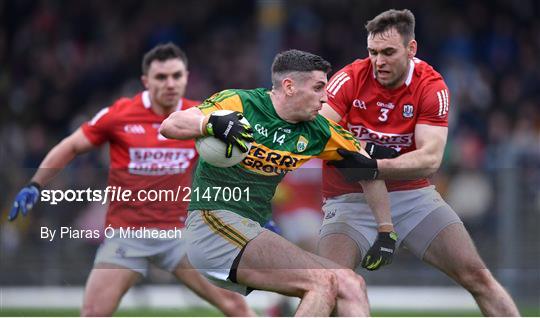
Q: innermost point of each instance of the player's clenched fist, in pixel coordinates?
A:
(25, 200)
(229, 129)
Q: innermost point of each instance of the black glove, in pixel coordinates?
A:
(381, 252)
(355, 167)
(230, 130)
(380, 152)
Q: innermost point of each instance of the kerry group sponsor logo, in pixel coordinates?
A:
(396, 141)
(266, 161)
(159, 161)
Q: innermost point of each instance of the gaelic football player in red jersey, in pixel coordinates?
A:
(395, 100)
(140, 159)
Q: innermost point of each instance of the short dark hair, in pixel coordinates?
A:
(297, 61)
(402, 20)
(163, 52)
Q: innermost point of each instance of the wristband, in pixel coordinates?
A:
(201, 126)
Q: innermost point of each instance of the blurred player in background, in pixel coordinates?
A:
(395, 100)
(227, 241)
(297, 205)
(140, 158)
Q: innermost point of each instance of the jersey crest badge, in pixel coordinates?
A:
(302, 143)
(408, 111)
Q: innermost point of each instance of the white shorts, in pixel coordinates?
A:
(300, 225)
(418, 216)
(217, 239)
(137, 253)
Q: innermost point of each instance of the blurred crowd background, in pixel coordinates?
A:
(62, 61)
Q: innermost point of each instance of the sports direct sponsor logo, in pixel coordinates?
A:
(159, 161)
(387, 139)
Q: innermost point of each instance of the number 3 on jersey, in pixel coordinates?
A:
(384, 114)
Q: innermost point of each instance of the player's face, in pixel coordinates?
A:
(309, 95)
(390, 57)
(166, 81)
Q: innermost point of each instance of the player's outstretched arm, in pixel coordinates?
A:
(382, 251)
(55, 161)
(184, 124)
(424, 161)
(328, 112)
(359, 167)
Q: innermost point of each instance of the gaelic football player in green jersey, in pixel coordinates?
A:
(229, 205)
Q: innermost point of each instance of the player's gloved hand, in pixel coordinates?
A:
(355, 167)
(380, 152)
(272, 226)
(382, 251)
(25, 200)
(230, 130)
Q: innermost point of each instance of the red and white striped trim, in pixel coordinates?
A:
(97, 116)
(444, 103)
(336, 83)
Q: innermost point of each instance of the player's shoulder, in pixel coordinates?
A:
(256, 93)
(360, 65)
(188, 103)
(425, 74)
(224, 95)
(321, 124)
(124, 104)
(356, 67)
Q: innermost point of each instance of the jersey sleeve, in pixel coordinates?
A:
(339, 138)
(339, 90)
(98, 129)
(224, 100)
(435, 104)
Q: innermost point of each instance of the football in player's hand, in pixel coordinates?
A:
(213, 150)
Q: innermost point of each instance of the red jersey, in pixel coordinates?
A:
(386, 117)
(300, 189)
(142, 159)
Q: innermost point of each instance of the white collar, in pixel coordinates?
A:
(411, 71)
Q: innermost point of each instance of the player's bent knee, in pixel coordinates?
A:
(476, 280)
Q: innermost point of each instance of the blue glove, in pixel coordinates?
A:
(272, 226)
(25, 200)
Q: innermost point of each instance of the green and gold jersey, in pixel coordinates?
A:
(279, 147)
